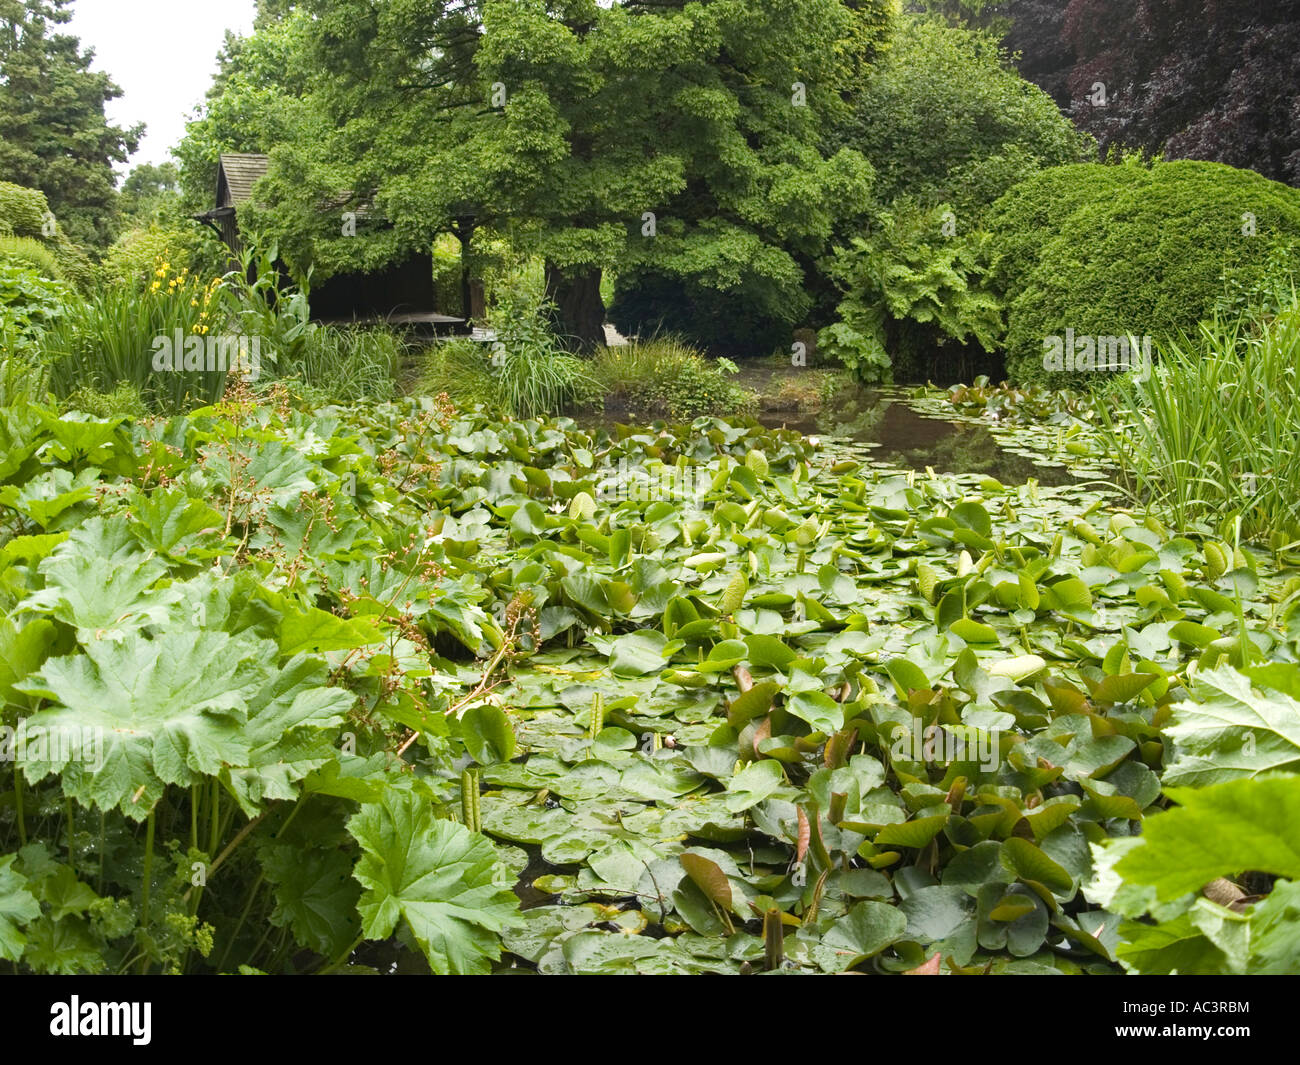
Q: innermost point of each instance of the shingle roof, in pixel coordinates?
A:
(236, 176)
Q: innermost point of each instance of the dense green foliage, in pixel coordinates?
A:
(1109, 251)
(53, 133)
(666, 378)
(947, 120)
(301, 675)
(1212, 435)
(29, 305)
(909, 287)
(25, 216)
(563, 127)
(948, 126)
(738, 669)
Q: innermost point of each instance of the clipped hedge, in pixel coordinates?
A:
(1118, 250)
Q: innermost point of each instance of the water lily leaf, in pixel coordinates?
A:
(753, 784)
(1122, 688)
(638, 653)
(1016, 669)
(1022, 934)
(907, 676)
(435, 875)
(866, 930)
(915, 833)
(709, 878)
(974, 631)
(936, 912)
(818, 709)
(973, 516)
(768, 651)
(1030, 863)
(487, 734)
(1069, 596)
(753, 703)
(1199, 636)
(724, 656)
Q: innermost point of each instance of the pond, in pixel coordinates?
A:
(899, 435)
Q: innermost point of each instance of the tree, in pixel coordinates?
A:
(258, 99)
(150, 192)
(673, 137)
(949, 126)
(53, 132)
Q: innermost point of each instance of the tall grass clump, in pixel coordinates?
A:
(109, 338)
(1213, 433)
(523, 371)
(665, 377)
(347, 364)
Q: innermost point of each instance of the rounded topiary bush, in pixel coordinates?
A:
(1109, 251)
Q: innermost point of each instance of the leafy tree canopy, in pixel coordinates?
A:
(53, 133)
(568, 124)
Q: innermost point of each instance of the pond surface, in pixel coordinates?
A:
(900, 436)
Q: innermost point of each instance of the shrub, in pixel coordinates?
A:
(946, 119)
(28, 252)
(24, 213)
(1112, 251)
(667, 378)
(30, 305)
(22, 210)
(124, 399)
(949, 126)
(908, 289)
(135, 255)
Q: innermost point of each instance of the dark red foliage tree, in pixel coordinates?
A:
(1190, 79)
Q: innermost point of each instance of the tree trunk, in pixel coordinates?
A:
(581, 314)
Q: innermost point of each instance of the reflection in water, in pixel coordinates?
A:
(902, 437)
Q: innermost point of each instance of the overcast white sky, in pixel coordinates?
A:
(162, 53)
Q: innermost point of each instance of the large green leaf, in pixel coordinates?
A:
(17, 906)
(863, 932)
(291, 729)
(1222, 830)
(1229, 731)
(435, 875)
(315, 895)
(132, 718)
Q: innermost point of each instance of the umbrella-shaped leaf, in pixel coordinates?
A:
(132, 718)
(438, 877)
